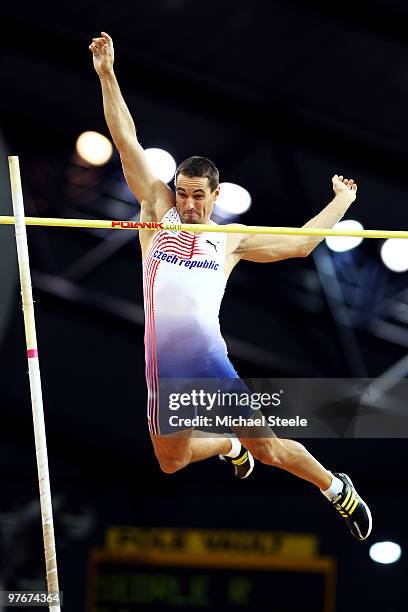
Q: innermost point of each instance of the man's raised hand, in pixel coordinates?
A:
(103, 55)
(343, 185)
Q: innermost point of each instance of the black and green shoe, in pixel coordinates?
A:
(243, 464)
(353, 509)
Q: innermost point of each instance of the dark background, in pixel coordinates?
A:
(281, 95)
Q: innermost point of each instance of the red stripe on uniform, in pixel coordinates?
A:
(151, 266)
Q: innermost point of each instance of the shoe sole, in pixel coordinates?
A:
(370, 519)
(251, 466)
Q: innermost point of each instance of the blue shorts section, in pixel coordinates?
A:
(202, 403)
(201, 364)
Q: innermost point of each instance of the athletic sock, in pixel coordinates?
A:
(335, 489)
(235, 449)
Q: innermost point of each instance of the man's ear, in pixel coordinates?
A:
(216, 192)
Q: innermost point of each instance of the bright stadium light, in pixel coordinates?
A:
(162, 164)
(385, 552)
(233, 199)
(344, 243)
(394, 253)
(94, 148)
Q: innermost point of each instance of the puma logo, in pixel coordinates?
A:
(213, 244)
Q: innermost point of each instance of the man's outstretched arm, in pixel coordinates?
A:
(267, 248)
(148, 189)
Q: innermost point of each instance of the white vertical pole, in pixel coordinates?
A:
(35, 380)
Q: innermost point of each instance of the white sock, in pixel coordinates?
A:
(235, 448)
(335, 488)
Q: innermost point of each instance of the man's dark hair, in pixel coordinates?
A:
(199, 166)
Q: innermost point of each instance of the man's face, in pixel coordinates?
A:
(194, 198)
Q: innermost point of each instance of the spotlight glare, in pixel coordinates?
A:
(394, 253)
(94, 148)
(385, 552)
(340, 244)
(233, 199)
(161, 163)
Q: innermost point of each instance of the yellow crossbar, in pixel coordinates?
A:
(196, 227)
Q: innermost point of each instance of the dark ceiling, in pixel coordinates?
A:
(255, 73)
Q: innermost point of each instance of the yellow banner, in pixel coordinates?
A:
(211, 541)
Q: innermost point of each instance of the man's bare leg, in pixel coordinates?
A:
(176, 451)
(205, 445)
(290, 456)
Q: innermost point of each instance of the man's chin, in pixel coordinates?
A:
(190, 220)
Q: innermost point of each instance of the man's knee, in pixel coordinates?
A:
(171, 465)
(173, 454)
